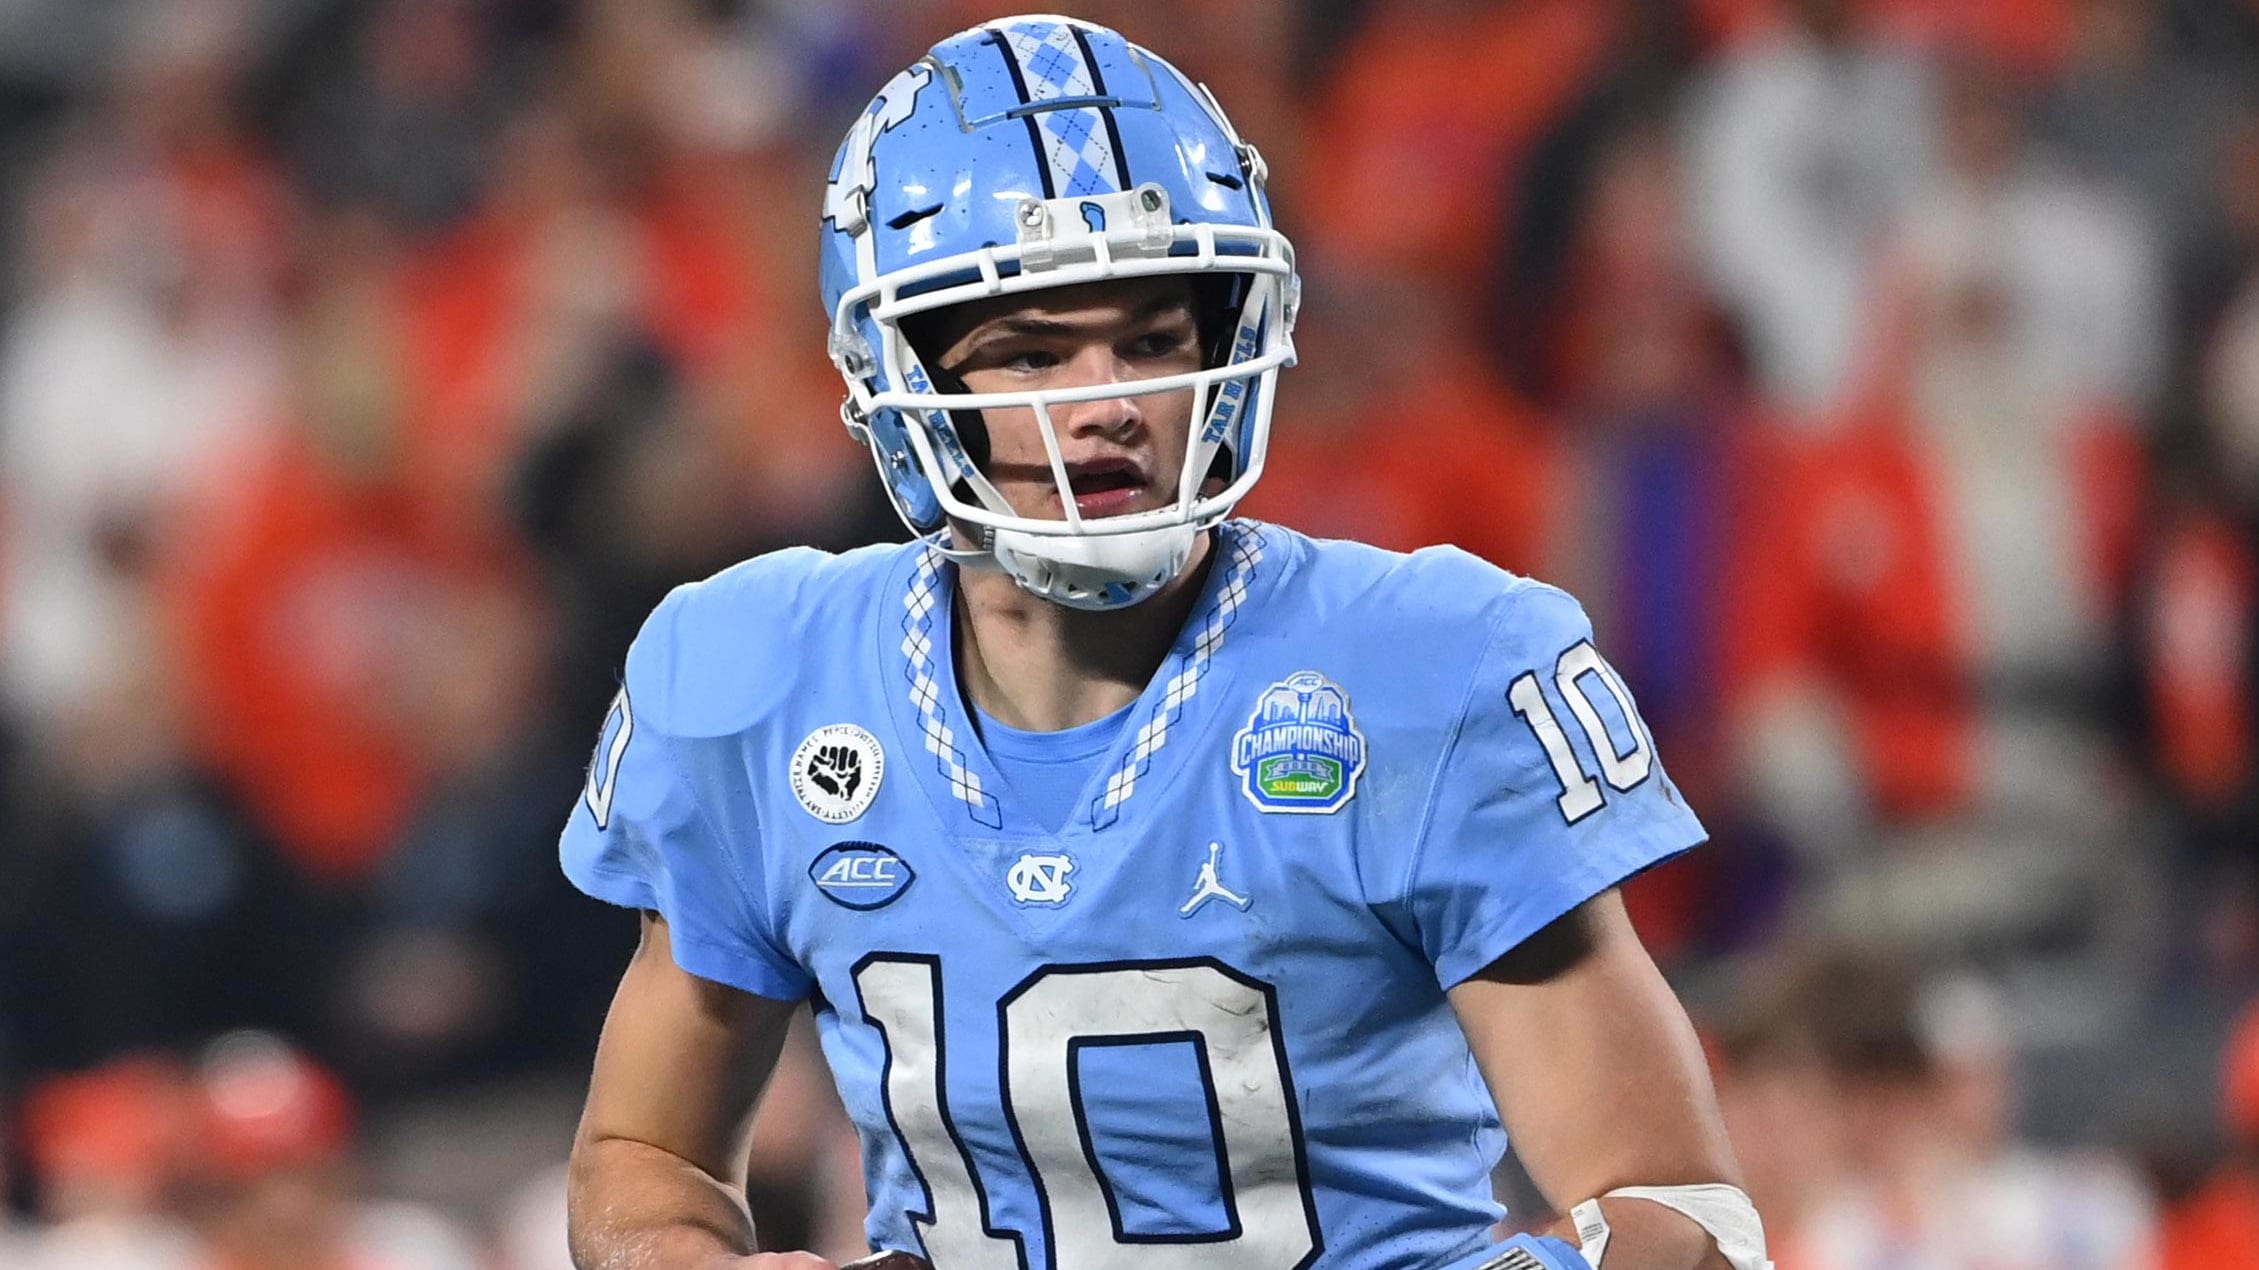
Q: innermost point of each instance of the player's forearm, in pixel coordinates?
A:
(632, 1206)
(1617, 1098)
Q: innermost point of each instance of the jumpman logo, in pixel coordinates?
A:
(1208, 887)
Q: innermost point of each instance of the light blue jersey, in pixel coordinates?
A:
(1203, 1025)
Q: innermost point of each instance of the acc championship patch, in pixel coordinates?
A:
(861, 875)
(836, 772)
(1301, 750)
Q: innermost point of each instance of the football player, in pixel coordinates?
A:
(1169, 890)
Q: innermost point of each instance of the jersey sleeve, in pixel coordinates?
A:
(657, 820)
(1548, 792)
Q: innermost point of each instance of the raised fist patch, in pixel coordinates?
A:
(836, 772)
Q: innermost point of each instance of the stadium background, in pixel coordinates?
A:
(1884, 376)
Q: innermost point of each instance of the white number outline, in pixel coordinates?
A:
(932, 1219)
(1624, 771)
(1230, 1201)
(597, 791)
(928, 1222)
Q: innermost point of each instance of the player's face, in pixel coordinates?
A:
(1123, 454)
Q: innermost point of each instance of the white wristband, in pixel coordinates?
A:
(1592, 1231)
(1723, 1211)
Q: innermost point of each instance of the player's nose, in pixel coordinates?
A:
(1098, 363)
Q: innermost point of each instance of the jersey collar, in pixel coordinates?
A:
(948, 759)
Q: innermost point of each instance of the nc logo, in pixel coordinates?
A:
(1040, 879)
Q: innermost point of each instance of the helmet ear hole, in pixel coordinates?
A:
(971, 425)
(1216, 303)
(924, 333)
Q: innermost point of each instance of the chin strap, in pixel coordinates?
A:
(1724, 1211)
(962, 557)
(1094, 572)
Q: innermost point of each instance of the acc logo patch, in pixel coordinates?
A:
(861, 875)
(836, 772)
(1301, 750)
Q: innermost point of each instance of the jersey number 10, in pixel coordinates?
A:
(1623, 770)
(1232, 1023)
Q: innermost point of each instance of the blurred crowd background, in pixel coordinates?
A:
(1883, 374)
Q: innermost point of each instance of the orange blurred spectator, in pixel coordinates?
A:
(299, 597)
(291, 622)
(2025, 342)
(2030, 33)
(108, 1139)
(1431, 105)
(568, 253)
(144, 345)
(2218, 1226)
(106, 1147)
(260, 1106)
(2198, 611)
(629, 206)
(1850, 598)
(1975, 520)
(274, 1186)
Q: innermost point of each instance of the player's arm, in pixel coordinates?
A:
(1600, 1081)
(657, 1175)
(1548, 794)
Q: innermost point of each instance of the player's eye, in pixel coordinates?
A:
(1163, 341)
(1027, 359)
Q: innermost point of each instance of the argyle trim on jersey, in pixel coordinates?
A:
(919, 603)
(1192, 661)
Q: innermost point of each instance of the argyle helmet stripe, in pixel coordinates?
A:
(1055, 65)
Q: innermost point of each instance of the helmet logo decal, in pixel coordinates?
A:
(847, 198)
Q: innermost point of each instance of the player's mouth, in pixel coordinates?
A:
(1106, 487)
